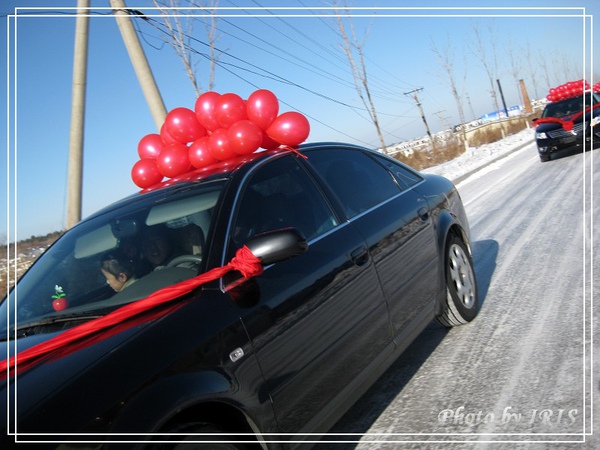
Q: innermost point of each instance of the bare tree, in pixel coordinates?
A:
(515, 67)
(445, 58)
(180, 31)
(571, 71)
(487, 60)
(543, 63)
(353, 48)
(211, 33)
(532, 69)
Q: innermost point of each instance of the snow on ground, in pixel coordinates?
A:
(476, 158)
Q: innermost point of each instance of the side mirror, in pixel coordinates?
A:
(278, 245)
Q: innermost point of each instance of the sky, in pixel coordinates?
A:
(295, 53)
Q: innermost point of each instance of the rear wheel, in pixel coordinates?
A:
(461, 304)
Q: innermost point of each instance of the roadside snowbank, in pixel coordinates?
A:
(476, 158)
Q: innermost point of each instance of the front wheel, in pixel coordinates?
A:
(461, 304)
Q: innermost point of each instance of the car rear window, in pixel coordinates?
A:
(358, 181)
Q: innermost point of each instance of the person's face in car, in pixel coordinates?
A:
(156, 250)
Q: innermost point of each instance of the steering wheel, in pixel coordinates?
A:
(179, 260)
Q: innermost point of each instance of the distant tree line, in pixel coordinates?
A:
(35, 241)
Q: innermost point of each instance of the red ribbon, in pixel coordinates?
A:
(566, 124)
(294, 151)
(244, 262)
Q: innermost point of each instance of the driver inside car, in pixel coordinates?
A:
(159, 249)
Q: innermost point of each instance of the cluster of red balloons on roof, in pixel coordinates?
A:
(569, 89)
(221, 126)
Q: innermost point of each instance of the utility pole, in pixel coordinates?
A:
(505, 109)
(140, 63)
(502, 96)
(443, 119)
(415, 97)
(473, 117)
(75, 171)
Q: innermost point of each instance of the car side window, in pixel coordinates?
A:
(358, 181)
(281, 194)
(403, 175)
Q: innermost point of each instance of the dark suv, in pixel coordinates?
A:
(568, 123)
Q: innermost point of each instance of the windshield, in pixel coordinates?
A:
(115, 258)
(569, 106)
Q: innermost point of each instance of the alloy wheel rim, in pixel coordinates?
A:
(461, 274)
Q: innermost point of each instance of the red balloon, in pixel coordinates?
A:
(290, 128)
(229, 109)
(262, 108)
(174, 160)
(183, 126)
(166, 137)
(150, 146)
(218, 145)
(205, 110)
(268, 143)
(244, 137)
(199, 154)
(145, 173)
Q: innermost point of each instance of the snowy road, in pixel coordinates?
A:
(521, 372)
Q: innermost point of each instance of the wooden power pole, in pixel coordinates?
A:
(140, 63)
(146, 80)
(75, 173)
(415, 97)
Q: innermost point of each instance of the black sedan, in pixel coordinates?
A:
(568, 124)
(357, 254)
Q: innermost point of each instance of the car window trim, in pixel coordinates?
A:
(403, 185)
(339, 208)
(388, 200)
(244, 181)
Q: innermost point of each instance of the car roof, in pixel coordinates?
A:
(220, 171)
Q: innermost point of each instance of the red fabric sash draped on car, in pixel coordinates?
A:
(244, 262)
(566, 124)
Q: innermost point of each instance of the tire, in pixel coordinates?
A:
(184, 443)
(461, 304)
(544, 158)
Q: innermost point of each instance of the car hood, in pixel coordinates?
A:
(40, 378)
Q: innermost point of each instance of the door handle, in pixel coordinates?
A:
(360, 256)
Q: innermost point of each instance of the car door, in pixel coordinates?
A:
(394, 221)
(317, 321)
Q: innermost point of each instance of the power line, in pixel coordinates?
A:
(258, 70)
